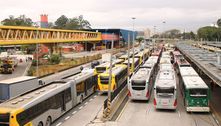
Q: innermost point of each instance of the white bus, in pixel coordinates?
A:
(140, 84)
(44, 105)
(165, 90)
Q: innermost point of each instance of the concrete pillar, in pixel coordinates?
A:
(218, 57)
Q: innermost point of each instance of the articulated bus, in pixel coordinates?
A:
(44, 105)
(102, 67)
(165, 91)
(140, 84)
(136, 64)
(118, 77)
(195, 92)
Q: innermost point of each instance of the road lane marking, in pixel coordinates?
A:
(179, 113)
(74, 112)
(59, 124)
(81, 107)
(95, 96)
(67, 118)
(85, 103)
(91, 99)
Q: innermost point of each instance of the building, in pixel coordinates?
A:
(120, 37)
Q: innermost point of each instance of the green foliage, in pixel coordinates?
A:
(140, 39)
(55, 59)
(72, 23)
(34, 62)
(22, 20)
(209, 33)
(219, 22)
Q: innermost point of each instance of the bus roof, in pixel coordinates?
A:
(106, 64)
(152, 59)
(187, 71)
(131, 60)
(194, 82)
(115, 70)
(176, 53)
(165, 60)
(34, 97)
(166, 78)
(142, 74)
(82, 76)
(166, 67)
(17, 79)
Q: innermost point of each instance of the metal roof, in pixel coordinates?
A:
(204, 59)
(142, 74)
(16, 80)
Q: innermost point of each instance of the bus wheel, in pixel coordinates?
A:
(48, 121)
(40, 124)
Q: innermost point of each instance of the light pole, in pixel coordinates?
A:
(133, 18)
(164, 22)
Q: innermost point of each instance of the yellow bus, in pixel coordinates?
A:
(140, 56)
(136, 64)
(102, 67)
(43, 106)
(118, 77)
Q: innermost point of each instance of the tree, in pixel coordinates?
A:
(208, 33)
(140, 39)
(55, 59)
(72, 23)
(219, 22)
(61, 22)
(22, 20)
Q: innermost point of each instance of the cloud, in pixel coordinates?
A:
(181, 14)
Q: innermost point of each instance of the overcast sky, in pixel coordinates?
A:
(179, 14)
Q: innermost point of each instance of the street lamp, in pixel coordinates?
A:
(164, 22)
(133, 18)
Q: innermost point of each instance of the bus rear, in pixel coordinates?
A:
(197, 94)
(140, 84)
(165, 98)
(165, 95)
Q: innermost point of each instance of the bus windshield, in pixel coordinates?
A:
(198, 92)
(100, 69)
(165, 91)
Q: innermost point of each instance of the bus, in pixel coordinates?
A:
(118, 77)
(195, 92)
(43, 106)
(165, 92)
(140, 84)
(102, 67)
(141, 57)
(118, 61)
(136, 64)
(181, 62)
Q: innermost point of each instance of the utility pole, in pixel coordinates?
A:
(110, 77)
(128, 57)
(133, 18)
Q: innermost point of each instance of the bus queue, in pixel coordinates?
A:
(155, 70)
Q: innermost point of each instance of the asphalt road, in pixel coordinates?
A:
(19, 71)
(140, 113)
(84, 113)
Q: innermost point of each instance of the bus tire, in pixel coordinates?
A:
(48, 121)
(40, 124)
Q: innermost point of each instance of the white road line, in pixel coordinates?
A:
(81, 107)
(91, 99)
(59, 124)
(85, 103)
(67, 118)
(179, 113)
(95, 96)
(74, 112)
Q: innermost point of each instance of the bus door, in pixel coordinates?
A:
(63, 105)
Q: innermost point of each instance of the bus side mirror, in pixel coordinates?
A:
(40, 82)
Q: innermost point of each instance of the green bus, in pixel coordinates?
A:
(196, 94)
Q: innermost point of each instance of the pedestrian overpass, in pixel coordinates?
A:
(15, 35)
